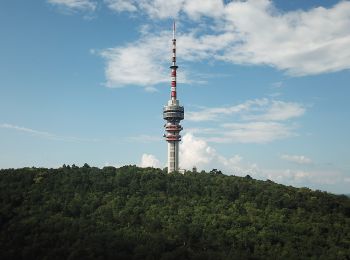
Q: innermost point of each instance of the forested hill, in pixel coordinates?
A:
(136, 213)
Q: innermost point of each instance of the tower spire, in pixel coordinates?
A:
(174, 29)
(173, 113)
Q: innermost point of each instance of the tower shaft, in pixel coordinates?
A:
(173, 156)
(173, 113)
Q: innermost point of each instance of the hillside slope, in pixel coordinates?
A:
(136, 213)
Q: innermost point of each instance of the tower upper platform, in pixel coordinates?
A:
(173, 111)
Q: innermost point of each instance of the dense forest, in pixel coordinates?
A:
(144, 213)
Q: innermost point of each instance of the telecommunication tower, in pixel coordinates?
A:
(173, 113)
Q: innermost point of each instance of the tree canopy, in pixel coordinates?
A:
(144, 213)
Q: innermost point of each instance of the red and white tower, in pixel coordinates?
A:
(173, 113)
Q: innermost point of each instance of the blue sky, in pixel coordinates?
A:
(265, 85)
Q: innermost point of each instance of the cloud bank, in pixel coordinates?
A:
(297, 42)
(253, 121)
(195, 151)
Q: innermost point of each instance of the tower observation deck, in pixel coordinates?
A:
(173, 113)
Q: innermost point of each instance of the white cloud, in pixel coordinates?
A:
(305, 178)
(116, 165)
(46, 134)
(27, 130)
(283, 111)
(302, 42)
(75, 5)
(279, 111)
(258, 109)
(145, 62)
(215, 113)
(137, 64)
(255, 121)
(195, 151)
(197, 8)
(192, 47)
(160, 8)
(299, 159)
(277, 85)
(121, 5)
(149, 160)
(254, 132)
(299, 176)
(299, 42)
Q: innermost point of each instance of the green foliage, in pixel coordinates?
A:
(144, 213)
